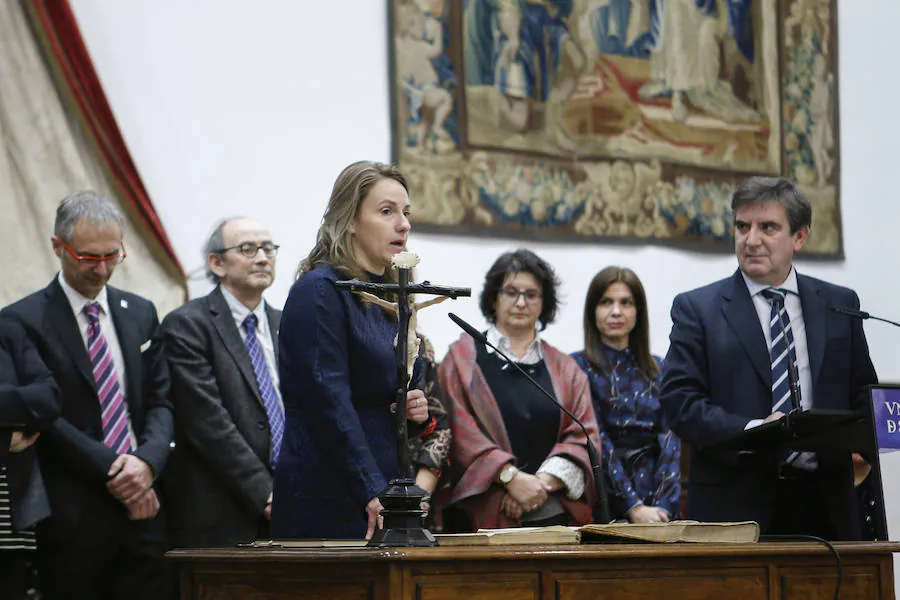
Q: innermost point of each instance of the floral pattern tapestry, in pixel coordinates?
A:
(623, 120)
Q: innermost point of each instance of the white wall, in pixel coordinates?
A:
(253, 108)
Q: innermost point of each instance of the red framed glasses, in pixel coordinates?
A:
(113, 258)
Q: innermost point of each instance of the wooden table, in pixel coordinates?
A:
(771, 571)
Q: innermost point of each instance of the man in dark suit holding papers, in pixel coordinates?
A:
(731, 348)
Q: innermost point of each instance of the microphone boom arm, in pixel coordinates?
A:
(861, 314)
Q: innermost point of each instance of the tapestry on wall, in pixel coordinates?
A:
(612, 119)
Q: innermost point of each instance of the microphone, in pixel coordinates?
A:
(859, 314)
(793, 377)
(602, 508)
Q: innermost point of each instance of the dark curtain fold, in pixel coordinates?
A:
(58, 31)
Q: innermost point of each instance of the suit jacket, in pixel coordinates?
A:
(718, 378)
(73, 458)
(219, 477)
(29, 402)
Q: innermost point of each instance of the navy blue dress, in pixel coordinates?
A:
(338, 380)
(627, 404)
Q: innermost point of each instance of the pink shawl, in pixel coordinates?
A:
(481, 445)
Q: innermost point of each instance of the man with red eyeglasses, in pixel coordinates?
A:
(100, 459)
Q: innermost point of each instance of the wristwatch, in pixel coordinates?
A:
(507, 474)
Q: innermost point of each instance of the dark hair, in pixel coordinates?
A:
(783, 191)
(521, 261)
(638, 339)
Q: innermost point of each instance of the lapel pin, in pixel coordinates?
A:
(124, 303)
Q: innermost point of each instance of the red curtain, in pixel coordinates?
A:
(59, 31)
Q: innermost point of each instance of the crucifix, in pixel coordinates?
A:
(403, 515)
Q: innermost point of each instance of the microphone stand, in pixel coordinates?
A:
(602, 508)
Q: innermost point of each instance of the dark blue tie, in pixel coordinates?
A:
(781, 350)
(274, 411)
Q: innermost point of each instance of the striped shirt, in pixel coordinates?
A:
(9, 539)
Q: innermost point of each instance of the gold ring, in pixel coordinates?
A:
(535, 507)
(418, 402)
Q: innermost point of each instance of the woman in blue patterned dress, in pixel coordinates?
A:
(640, 453)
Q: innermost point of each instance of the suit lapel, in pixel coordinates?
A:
(231, 338)
(742, 317)
(129, 342)
(66, 327)
(815, 318)
(274, 323)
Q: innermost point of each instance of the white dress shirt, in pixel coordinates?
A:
(77, 301)
(239, 312)
(534, 353)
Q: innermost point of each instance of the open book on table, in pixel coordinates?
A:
(307, 543)
(553, 534)
(675, 531)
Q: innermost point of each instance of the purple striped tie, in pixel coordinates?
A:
(274, 411)
(112, 402)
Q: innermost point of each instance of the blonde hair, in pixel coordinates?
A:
(334, 242)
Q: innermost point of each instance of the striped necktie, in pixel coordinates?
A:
(274, 410)
(112, 402)
(781, 350)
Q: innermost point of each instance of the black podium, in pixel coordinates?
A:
(820, 430)
(814, 430)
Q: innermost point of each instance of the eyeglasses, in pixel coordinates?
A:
(113, 258)
(251, 249)
(512, 294)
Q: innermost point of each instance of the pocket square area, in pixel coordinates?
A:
(145, 345)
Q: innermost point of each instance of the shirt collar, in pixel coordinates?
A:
(789, 284)
(239, 312)
(533, 354)
(78, 301)
(615, 353)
